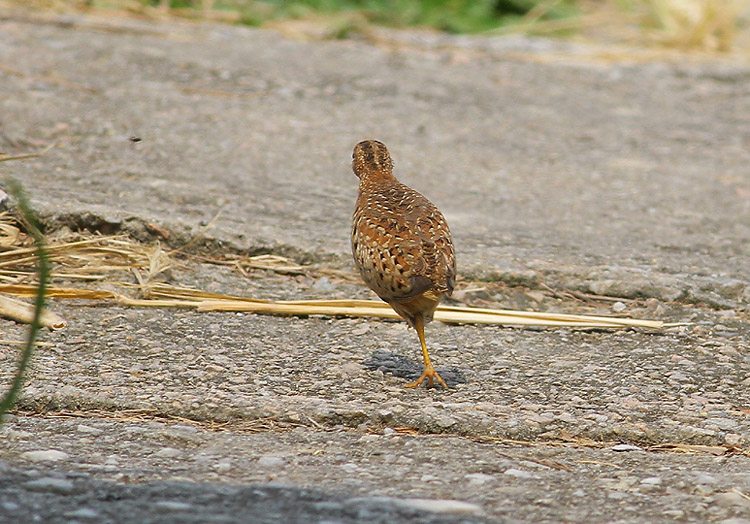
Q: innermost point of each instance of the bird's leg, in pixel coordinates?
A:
(429, 372)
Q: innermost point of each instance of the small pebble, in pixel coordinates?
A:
(50, 485)
(726, 424)
(173, 505)
(446, 421)
(350, 369)
(180, 428)
(223, 466)
(82, 428)
(651, 481)
(626, 447)
(479, 479)
(733, 439)
(323, 284)
(444, 506)
(19, 434)
(361, 330)
(676, 376)
(518, 473)
(731, 498)
(51, 455)
(168, 453)
(9, 506)
(618, 307)
(83, 513)
(269, 461)
(350, 468)
(705, 478)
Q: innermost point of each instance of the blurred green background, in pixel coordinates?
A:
(455, 16)
(706, 25)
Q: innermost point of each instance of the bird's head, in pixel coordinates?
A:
(371, 157)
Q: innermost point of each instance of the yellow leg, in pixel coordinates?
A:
(429, 372)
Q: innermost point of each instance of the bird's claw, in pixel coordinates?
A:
(431, 375)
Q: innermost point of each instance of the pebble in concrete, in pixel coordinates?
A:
(518, 473)
(83, 513)
(445, 506)
(82, 428)
(270, 461)
(651, 481)
(731, 498)
(626, 447)
(9, 506)
(479, 478)
(168, 453)
(168, 506)
(223, 466)
(51, 455)
(50, 485)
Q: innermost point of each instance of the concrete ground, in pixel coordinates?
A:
(574, 178)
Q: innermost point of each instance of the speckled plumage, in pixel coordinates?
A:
(401, 243)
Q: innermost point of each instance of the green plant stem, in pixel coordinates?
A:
(29, 217)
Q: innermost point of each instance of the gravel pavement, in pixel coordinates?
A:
(563, 169)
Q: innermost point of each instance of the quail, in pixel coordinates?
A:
(401, 245)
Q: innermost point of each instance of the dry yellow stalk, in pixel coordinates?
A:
(98, 257)
(452, 315)
(23, 312)
(165, 295)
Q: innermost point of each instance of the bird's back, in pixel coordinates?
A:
(402, 246)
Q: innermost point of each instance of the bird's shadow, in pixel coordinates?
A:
(404, 367)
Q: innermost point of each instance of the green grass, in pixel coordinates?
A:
(9, 398)
(453, 16)
(704, 25)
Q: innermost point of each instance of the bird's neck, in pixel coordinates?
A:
(377, 179)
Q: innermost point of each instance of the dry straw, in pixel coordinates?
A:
(105, 265)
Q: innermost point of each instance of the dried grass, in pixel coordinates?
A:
(702, 25)
(687, 25)
(3, 156)
(693, 449)
(111, 260)
(23, 312)
(78, 257)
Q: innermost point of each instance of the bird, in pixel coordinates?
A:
(401, 244)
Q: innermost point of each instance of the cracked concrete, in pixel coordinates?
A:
(604, 175)
(560, 169)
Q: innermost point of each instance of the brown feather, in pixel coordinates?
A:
(401, 242)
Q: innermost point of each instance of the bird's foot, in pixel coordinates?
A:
(431, 375)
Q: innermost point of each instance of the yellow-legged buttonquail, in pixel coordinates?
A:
(401, 244)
